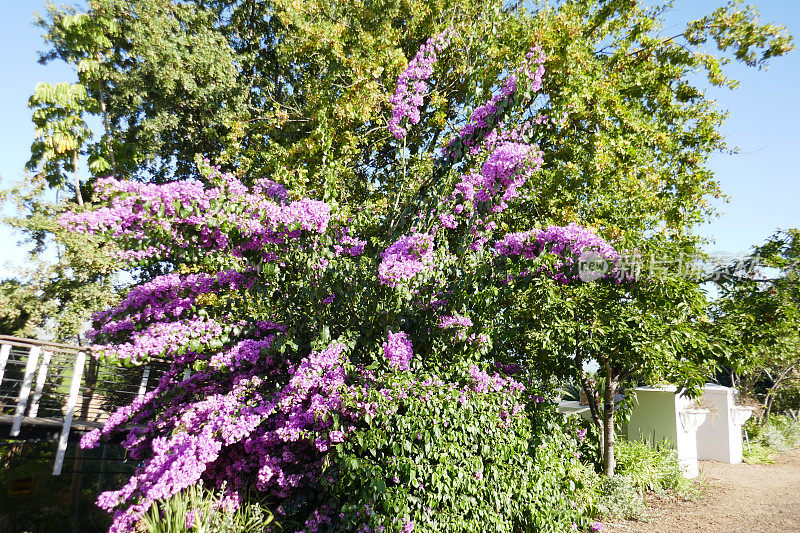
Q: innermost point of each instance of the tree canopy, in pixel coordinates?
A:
(609, 151)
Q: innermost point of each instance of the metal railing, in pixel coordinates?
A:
(53, 385)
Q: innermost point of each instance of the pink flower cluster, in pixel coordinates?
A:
(485, 382)
(505, 170)
(163, 340)
(186, 215)
(232, 428)
(346, 244)
(454, 321)
(178, 460)
(570, 243)
(398, 350)
(405, 258)
(165, 297)
(411, 87)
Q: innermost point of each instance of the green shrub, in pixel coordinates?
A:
(781, 433)
(619, 497)
(443, 463)
(640, 467)
(772, 437)
(758, 454)
(652, 468)
(789, 428)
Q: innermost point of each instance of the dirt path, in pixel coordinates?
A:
(737, 498)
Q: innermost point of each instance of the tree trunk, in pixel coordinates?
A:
(594, 409)
(588, 390)
(78, 196)
(772, 391)
(609, 462)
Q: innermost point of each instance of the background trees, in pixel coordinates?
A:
(759, 317)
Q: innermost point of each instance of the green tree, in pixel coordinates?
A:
(649, 329)
(160, 75)
(759, 316)
(67, 277)
(85, 42)
(61, 132)
(299, 93)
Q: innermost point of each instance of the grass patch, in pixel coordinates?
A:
(780, 434)
(641, 468)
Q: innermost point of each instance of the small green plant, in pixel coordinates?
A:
(619, 497)
(781, 433)
(199, 510)
(653, 468)
(758, 454)
(789, 428)
(640, 467)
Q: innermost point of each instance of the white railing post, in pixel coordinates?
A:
(41, 376)
(25, 389)
(74, 388)
(143, 383)
(5, 350)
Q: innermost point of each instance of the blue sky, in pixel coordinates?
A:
(763, 181)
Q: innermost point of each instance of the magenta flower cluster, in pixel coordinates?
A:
(229, 430)
(188, 216)
(405, 258)
(166, 297)
(346, 244)
(455, 321)
(398, 350)
(506, 169)
(569, 243)
(411, 88)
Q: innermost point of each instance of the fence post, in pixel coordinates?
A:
(41, 376)
(5, 350)
(25, 389)
(143, 383)
(74, 387)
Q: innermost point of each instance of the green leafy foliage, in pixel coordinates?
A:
(758, 316)
(448, 464)
(650, 331)
(641, 467)
(55, 296)
(652, 468)
(620, 497)
(61, 131)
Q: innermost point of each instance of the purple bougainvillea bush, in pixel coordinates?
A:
(289, 336)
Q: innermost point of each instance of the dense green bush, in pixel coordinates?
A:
(618, 496)
(437, 459)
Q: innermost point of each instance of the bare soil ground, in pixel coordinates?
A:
(736, 498)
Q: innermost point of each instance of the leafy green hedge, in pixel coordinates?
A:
(435, 459)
